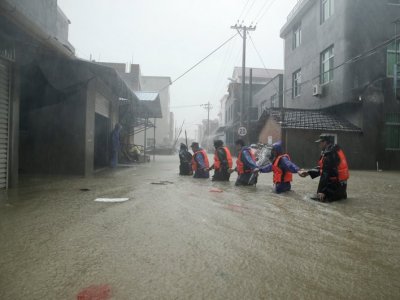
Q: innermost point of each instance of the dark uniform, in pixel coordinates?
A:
(333, 172)
(185, 158)
(222, 163)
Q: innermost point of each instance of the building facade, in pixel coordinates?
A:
(161, 84)
(339, 57)
(56, 111)
(255, 80)
(270, 96)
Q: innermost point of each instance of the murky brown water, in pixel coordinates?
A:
(180, 241)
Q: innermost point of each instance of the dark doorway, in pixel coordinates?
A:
(101, 141)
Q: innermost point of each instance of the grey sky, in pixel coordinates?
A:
(168, 37)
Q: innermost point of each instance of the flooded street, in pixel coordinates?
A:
(177, 240)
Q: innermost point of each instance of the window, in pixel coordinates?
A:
(392, 130)
(327, 9)
(274, 101)
(296, 82)
(296, 36)
(392, 58)
(327, 61)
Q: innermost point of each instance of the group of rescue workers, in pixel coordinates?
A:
(332, 167)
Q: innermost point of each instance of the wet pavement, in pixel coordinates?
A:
(176, 239)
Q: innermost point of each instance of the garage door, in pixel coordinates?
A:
(4, 116)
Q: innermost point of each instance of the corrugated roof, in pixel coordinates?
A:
(149, 105)
(311, 120)
(147, 96)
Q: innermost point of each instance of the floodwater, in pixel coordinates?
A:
(177, 240)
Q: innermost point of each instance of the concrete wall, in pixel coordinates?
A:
(270, 129)
(316, 38)
(46, 15)
(274, 87)
(300, 144)
(62, 26)
(42, 12)
(356, 27)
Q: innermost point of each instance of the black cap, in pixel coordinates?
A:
(194, 144)
(326, 138)
(218, 143)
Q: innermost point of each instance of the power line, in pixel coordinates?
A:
(261, 10)
(250, 7)
(267, 9)
(243, 9)
(198, 63)
(262, 61)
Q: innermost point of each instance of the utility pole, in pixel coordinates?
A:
(208, 107)
(249, 108)
(243, 32)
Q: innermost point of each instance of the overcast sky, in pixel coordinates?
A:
(167, 37)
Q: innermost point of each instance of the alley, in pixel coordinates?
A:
(174, 239)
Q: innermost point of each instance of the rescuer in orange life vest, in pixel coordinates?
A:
(282, 168)
(246, 166)
(222, 162)
(332, 169)
(200, 162)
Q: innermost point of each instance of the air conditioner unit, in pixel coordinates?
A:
(317, 90)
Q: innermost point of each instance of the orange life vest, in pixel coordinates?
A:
(194, 162)
(279, 175)
(343, 169)
(217, 162)
(240, 166)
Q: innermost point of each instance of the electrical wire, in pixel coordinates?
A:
(262, 8)
(250, 7)
(262, 61)
(267, 9)
(351, 60)
(243, 9)
(199, 62)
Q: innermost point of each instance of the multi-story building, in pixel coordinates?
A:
(270, 96)
(253, 84)
(56, 111)
(161, 85)
(339, 61)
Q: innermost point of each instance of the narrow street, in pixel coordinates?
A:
(178, 240)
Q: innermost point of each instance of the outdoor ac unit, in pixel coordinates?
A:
(317, 90)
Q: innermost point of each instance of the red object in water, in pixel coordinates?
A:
(95, 292)
(216, 190)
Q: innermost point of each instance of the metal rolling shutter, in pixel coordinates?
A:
(102, 106)
(4, 123)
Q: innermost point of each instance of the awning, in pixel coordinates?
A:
(149, 105)
(64, 74)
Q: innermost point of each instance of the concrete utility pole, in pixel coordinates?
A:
(243, 32)
(249, 108)
(208, 107)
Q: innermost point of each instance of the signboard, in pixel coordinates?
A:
(242, 131)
